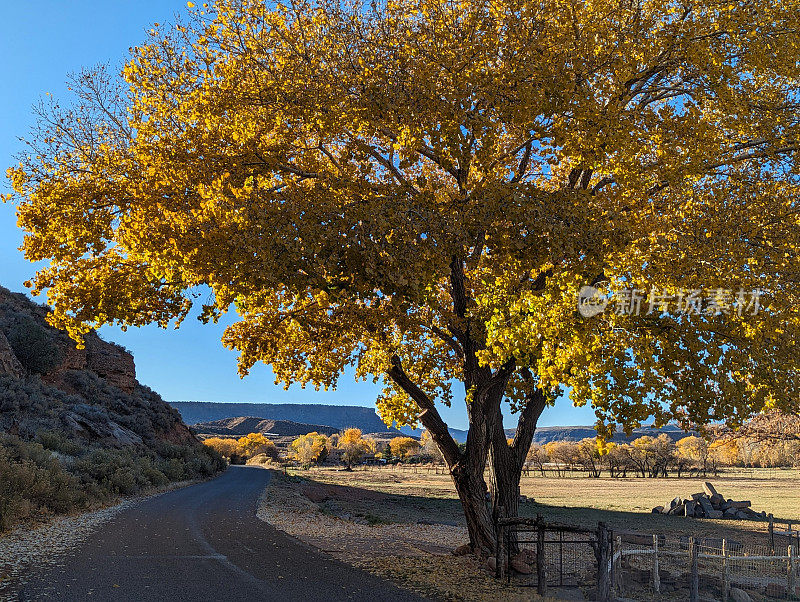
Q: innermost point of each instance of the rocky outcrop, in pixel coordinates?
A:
(111, 363)
(179, 434)
(90, 423)
(9, 364)
(88, 395)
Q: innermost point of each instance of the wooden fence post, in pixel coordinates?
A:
(725, 585)
(541, 573)
(603, 563)
(790, 572)
(656, 576)
(771, 533)
(616, 587)
(694, 589)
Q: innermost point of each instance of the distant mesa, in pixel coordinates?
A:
(546, 434)
(338, 417)
(244, 425)
(288, 419)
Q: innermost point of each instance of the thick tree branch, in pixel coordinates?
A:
(429, 415)
(526, 426)
(523, 164)
(451, 342)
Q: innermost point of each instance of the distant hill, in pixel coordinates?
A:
(546, 434)
(338, 417)
(244, 425)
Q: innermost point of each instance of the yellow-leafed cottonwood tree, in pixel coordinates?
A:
(418, 189)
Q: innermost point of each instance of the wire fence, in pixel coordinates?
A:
(645, 567)
(713, 569)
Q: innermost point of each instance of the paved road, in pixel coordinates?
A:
(203, 542)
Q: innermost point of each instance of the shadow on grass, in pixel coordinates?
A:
(375, 506)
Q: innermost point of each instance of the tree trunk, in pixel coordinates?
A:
(471, 489)
(486, 440)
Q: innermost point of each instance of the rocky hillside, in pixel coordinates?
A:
(77, 421)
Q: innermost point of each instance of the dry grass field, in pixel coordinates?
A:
(625, 504)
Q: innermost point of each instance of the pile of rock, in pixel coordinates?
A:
(709, 504)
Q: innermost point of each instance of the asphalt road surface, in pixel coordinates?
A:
(200, 543)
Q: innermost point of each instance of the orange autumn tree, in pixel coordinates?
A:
(254, 444)
(311, 448)
(404, 447)
(354, 446)
(420, 188)
(225, 447)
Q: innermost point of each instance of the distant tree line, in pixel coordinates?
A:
(661, 456)
(768, 441)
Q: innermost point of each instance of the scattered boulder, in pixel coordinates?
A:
(462, 550)
(739, 595)
(705, 504)
(709, 503)
(677, 510)
(491, 564)
(521, 567)
(527, 556)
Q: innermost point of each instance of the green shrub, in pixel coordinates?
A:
(35, 346)
(33, 483)
(58, 442)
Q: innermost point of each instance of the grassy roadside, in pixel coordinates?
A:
(624, 504)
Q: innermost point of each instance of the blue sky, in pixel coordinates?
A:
(41, 42)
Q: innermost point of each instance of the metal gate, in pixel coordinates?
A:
(542, 555)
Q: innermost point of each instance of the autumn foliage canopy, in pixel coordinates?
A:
(419, 189)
